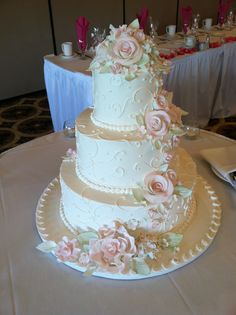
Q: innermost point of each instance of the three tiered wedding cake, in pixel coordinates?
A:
(127, 191)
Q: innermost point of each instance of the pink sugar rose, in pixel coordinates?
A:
(127, 50)
(84, 259)
(162, 102)
(116, 68)
(159, 188)
(67, 250)
(114, 250)
(139, 35)
(157, 122)
(175, 114)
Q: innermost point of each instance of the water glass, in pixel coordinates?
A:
(69, 128)
(191, 132)
(191, 127)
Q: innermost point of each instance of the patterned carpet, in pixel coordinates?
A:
(25, 118)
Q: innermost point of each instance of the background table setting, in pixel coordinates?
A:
(202, 76)
(34, 283)
(202, 84)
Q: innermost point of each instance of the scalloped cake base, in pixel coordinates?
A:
(198, 235)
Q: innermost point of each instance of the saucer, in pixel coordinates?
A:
(68, 57)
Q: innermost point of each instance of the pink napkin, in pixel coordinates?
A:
(186, 15)
(223, 9)
(143, 17)
(82, 25)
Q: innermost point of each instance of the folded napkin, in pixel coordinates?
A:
(223, 162)
(82, 25)
(223, 8)
(143, 18)
(186, 16)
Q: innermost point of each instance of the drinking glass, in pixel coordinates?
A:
(82, 46)
(191, 127)
(153, 26)
(97, 36)
(69, 128)
(229, 21)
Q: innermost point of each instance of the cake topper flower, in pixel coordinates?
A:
(128, 51)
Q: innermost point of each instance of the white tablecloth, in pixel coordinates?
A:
(69, 87)
(204, 83)
(33, 283)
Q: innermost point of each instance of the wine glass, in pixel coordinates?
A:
(229, 20)
(97, 36)
(82, 46)
(153, 26)
(195, 25)
(69, 128)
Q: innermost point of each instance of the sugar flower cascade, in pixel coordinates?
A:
(162, 124)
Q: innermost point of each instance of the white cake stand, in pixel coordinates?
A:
(198, 235)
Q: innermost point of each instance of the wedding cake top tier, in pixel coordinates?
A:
(127, 74)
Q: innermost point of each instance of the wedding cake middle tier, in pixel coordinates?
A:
(115, 162)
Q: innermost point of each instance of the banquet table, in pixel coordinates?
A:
(32, 282)
(203, 84)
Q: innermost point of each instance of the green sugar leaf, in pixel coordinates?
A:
(140, 119)
(85, 237)
(134, 24)
(173, 239)
(138, 194)
(47, 246)
(140, 266)
(183, 191)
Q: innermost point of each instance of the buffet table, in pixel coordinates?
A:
(202, 84)
(32, 282)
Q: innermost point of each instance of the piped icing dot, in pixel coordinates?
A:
(120, 171)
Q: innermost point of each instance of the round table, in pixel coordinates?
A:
(32, 282)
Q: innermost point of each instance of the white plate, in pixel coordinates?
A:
(219, 175)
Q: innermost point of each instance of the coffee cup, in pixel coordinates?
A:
(207, 23)
(170, 30)
(67, 49)
(190, 41)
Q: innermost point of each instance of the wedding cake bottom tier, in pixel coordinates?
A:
(84, 208)
(196, 238)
